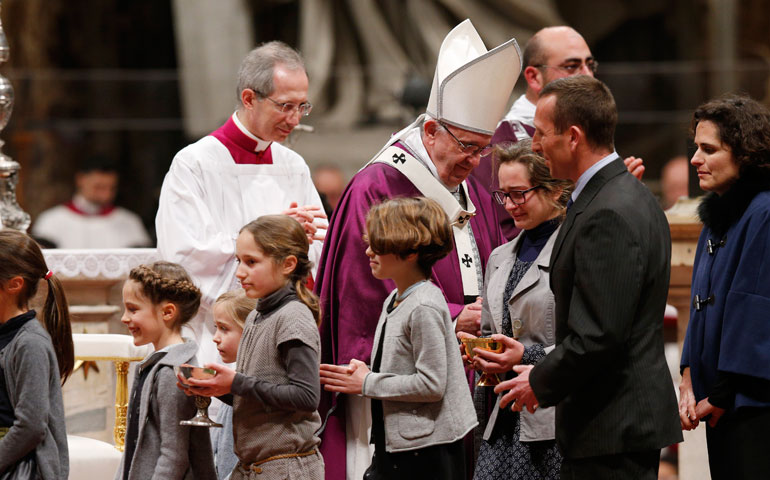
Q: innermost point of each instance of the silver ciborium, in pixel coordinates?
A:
(11, 214)
(201, 418)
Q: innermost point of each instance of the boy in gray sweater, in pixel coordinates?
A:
(421, 404)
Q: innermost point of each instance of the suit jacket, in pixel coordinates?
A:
(610, 271)
(532, 302)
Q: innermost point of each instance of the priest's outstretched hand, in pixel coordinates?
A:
(635, 166)
(469, 319)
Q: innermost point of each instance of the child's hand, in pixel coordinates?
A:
(463, 352)
(344, 379)
(490, 362)
(217, 386)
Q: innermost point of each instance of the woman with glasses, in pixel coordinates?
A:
(518, 311)
(726, 353)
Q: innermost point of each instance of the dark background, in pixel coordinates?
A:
(99, 76)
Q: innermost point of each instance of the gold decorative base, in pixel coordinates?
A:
(488, 380)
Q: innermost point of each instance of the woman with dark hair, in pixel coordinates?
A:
(726, 355)
(518, 310)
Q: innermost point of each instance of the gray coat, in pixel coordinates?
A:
(34, 387)
(164, 449)
(532, 302)
(422, 383)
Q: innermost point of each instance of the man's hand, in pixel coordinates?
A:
(344, 379)
(306, 216)
(469, 319)
(635, 166)
(687, 416)
(217, 386)
(520, 393)
(490, 362)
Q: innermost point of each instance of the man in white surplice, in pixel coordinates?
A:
(237, 173)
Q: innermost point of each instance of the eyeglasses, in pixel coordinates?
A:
(303, 108)
(469, 148)
(574, 66)
(518, 197)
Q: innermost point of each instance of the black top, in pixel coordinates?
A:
(378, 418)
(8, 331)
(533, 240)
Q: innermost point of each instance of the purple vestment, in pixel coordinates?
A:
(352, 299)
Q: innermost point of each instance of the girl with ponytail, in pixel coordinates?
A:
(275, 387)
(36, 357)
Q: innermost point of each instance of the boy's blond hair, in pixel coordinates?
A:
(403, 226)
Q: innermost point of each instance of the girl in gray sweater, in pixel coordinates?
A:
(34, 362)
(421, 404)
(274, 389)
(159, 298)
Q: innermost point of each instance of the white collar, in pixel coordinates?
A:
(261, 144)
(85, 206)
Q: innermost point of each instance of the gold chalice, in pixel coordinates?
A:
(201, 418)
(485, 343)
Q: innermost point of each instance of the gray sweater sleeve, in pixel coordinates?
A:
(31, 407)
(303, 392)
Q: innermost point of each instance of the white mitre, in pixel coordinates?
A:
(471, 86)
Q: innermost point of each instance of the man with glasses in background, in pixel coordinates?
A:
(236, 174)
(551, 53)
(432, 157)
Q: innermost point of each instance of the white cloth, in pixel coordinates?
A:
(522, 113)
(205, 200)
(67, 228)
(358, 431)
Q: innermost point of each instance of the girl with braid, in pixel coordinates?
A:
(36, 357)
(159, 298)
(275, 388)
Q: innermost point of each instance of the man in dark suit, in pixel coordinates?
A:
(607, 376)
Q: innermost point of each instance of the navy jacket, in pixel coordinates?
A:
(729, 331)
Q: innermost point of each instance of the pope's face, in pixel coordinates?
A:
(453, 166)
